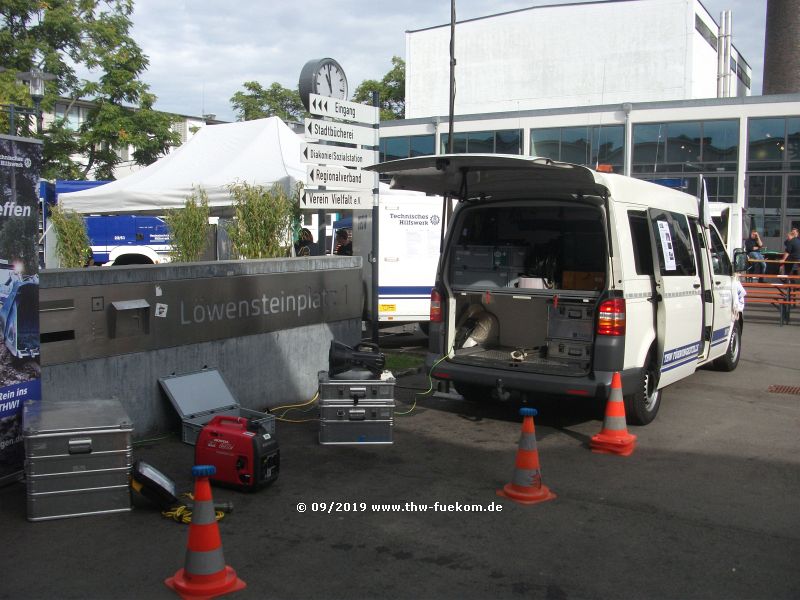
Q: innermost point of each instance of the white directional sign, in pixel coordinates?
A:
(316, 199)
(336, 155)
(334, 177)
(342, 109)
(340, 132)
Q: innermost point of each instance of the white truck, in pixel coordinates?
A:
(408, 254)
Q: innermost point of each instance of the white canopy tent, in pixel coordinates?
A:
(261, 152)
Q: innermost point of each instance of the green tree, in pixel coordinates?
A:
(60, 36)
(188, 227)
(392, 91)
(73, 242)
(275, 101)
(263, 217)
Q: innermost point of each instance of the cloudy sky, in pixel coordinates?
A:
(202, 51)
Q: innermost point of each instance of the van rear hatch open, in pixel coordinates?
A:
(525, 266)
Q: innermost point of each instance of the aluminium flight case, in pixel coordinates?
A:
(77, 458)
(355, 411)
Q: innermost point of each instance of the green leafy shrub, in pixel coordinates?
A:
(188, 227)
(73, 242)
(263, 217)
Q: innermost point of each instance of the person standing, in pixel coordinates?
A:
(754, 247)
(792, 254)
(305, 245)
(344, 246)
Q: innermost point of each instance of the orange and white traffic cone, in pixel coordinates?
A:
(526, 485)
(614, 437)
(205, 574)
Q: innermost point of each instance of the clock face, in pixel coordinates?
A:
(330, 80)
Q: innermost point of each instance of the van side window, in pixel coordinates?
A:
(674, 242)
(719, 257)
(642, 252)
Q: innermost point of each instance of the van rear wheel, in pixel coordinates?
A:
(729, 360)
(641, 407)
(473, 392)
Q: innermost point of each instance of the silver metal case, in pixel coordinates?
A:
(77, 458)
(355, 411)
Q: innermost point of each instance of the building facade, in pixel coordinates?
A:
(578, 54)
(747, 148)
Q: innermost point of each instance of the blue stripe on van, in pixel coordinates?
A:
(677, 357)
(406, 290)
(720, 336)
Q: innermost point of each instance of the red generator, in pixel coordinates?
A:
(245, 454)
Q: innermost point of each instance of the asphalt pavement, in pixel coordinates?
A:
(706, 507)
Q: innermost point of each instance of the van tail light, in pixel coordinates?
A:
(611, 318)
(436, 306)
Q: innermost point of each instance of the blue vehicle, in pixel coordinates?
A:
(117, 239)
(128, 239)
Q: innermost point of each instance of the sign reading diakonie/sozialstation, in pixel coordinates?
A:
(345, 188)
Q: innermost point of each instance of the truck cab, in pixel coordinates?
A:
(128, 239)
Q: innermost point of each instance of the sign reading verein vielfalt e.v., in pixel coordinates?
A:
(20, 375)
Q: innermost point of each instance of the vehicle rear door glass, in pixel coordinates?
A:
(719, 257)
(676, 257)
(642, 252)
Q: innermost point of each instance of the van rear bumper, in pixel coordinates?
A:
(596, 384)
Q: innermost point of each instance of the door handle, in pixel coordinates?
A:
(696, 286)
(717, 283)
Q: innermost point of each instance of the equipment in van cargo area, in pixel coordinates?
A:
(582, 280)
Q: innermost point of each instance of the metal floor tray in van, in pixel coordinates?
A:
(532, 363)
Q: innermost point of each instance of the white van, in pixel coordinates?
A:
(554, 276)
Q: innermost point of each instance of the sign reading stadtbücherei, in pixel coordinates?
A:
(20, 374)
(341, 132)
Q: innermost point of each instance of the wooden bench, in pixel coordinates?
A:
(779, 291)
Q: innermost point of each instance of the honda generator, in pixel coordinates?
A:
(245, 454)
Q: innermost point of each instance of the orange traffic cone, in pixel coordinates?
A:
(205, 574)
(614, 437)
(526, 485)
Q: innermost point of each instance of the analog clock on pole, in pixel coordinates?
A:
(325, 77)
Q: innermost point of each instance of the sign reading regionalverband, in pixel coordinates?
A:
(338, 178)
(344, 200)
(340, 132)
(342, 109)
(20, 374)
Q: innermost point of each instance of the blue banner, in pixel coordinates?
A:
(20, 373)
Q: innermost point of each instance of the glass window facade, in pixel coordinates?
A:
(73, 118)
(686, 146)
(395, 148)
(503, 141)
(773, 144)
(589, 146)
